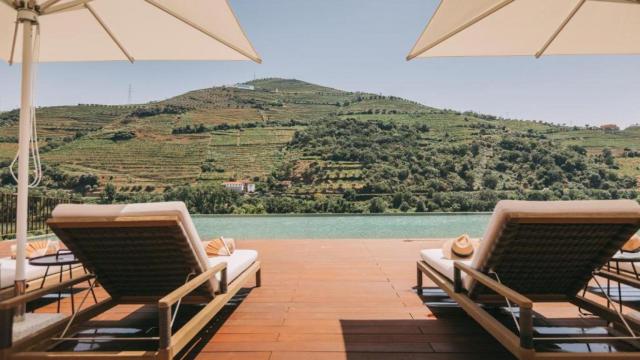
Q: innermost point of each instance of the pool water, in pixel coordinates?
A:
(341, 226)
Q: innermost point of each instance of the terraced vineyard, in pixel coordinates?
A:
(246, 153)
(134, 161)
(243, 162)
(8, 151)
(128, 147)
(62, 121)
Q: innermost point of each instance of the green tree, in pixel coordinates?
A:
(490, 181)
(350, 195)
(377, 205)
(108, 195)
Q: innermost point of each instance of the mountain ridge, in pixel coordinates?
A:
(207, 136)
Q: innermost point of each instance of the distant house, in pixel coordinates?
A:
(241, 187)
(244, 86)
(610, 127)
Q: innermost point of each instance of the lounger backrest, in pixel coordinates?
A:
(136, 250)
(552, 247)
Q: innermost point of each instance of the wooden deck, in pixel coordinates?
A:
(339, 299)
(343, 300)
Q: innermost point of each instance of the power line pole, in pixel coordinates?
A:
(130, 95)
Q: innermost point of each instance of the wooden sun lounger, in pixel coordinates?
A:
(540, 252)
(145, 256)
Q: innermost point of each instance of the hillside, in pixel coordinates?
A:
(284, 135)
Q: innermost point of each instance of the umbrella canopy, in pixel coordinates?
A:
(103, 30)
(106, 30)
(531, 27)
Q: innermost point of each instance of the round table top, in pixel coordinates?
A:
(66, 258)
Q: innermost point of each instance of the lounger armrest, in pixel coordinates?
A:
(522, 301)
(184, 290)
(165, 304)
(36, 294)
(525, 304)
(619, 278)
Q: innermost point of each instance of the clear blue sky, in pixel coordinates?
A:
(361, 45)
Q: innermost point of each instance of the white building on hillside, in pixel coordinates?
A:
(244, 86)
(243, 186)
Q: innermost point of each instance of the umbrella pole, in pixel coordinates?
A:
(27, 18)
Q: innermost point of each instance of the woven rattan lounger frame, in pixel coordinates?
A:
(111, 248)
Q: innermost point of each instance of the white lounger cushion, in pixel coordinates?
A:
(8, 272)
(172, 208)
(444, 266)
(238, 262)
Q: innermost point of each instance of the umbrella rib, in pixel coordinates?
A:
(68, 5)
(560, 28)
(47, 4)
(109, 32)
(459, 29)
(13, 43)
(204, 31)
(631, 2)
(235, 17)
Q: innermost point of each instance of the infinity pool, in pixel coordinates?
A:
(341, 226)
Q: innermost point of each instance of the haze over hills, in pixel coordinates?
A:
(302, 140)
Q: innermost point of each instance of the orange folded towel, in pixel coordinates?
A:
(633, 245)
(220, 247)
(38, 248)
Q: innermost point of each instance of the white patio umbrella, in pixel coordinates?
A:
(531, 27)
(107, 30)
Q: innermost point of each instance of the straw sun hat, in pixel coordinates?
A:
(460, 248)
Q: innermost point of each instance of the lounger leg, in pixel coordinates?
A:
(164, 328)
(609, 285)
(44, 278)
(73, 304)
(259, 278)
(619, 286)
(419, 281)
(60, 291)
(6, 328)
(526, 328)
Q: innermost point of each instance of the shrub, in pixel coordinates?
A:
(421, 207)
(377, 205)
(123, 135)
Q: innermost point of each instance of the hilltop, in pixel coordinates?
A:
(302, 140)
